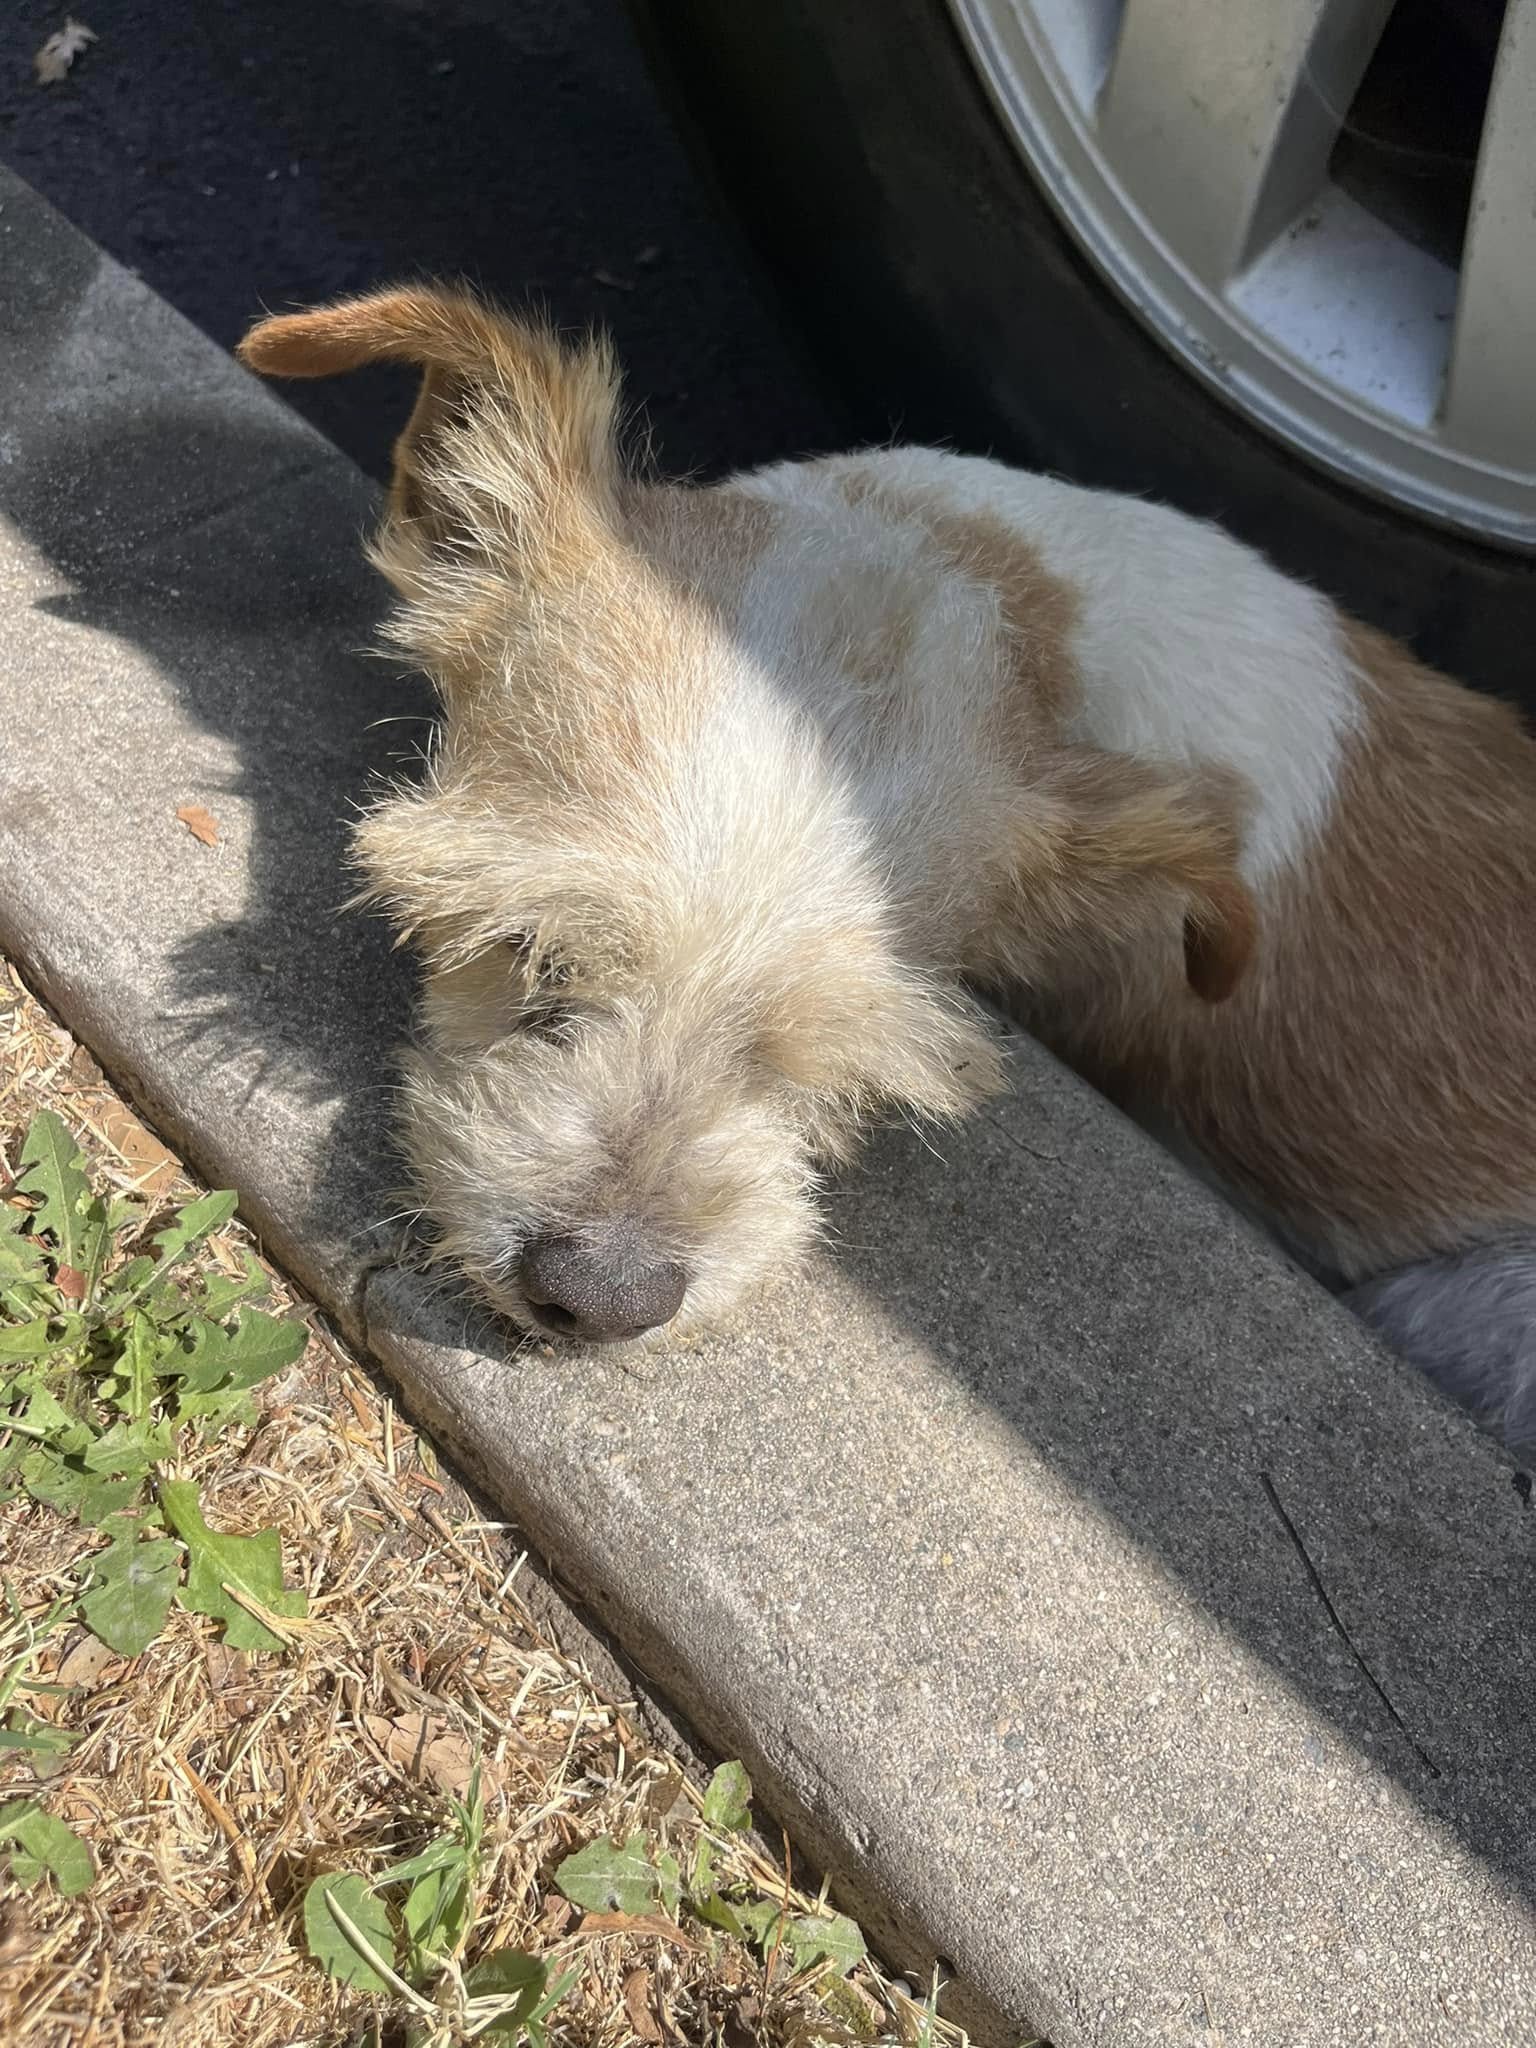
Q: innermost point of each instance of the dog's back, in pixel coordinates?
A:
(1370, 1084)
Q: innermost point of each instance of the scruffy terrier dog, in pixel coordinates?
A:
(738, 787)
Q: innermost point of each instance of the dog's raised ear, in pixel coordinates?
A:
(511, 426)
(1106, 844)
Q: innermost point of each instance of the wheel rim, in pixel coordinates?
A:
(1347, 337)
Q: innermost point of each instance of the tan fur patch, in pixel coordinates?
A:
(568, 393)
(1097, 841)
(1372, 1083)
(1039, 612)
(521, 552)
(511, 449)
(704, 544)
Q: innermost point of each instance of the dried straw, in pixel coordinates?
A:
(213, 1785)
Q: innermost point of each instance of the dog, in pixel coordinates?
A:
(739, 792)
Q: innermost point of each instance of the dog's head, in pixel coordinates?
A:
(662, 976)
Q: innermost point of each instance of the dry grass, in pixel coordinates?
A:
(212, 1785)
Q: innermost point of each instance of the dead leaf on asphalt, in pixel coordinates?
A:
(201, 823)
(53, 61)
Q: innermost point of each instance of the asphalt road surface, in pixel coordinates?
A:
(250, 154)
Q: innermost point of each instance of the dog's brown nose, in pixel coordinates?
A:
(600, 1284)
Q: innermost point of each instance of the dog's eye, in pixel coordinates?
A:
(538, 972)
(541, 978)
(548, 1020)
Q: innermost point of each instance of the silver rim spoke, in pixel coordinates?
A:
(1489, 405)
(1220, 118)
(1187, 143)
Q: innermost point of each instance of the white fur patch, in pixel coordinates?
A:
(1191, 648)
(899, 757)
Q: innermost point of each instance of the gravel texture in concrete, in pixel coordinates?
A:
(1082, 1588)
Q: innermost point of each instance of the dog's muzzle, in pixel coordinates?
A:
(600, 1284)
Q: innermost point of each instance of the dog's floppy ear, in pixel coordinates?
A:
(511, 423)
(1104, 845)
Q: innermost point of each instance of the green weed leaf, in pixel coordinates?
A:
(49, 1479)
(435, 1915)
(126, 1285)
(506, 1973)
(261, 1345)
(759, 1918)
(131, 1593)
(258, 1346)
(127, 1448)
(603, 1878)
(444, 1854)
(803, 1939)
(346, 1930)
(190, 1225)
(99, 1370)
(163, 1301)
(436, 1910)
(47, 1420)
(21, 1261)
(100, 1499)
(669, 1883)
(36, 1738)
(728, 1799)
(221, 1292)
(96, 1242)
(61, 1483)
(41, 1337)
(224, 1408)
(727, 1809)
(810, 1939)
(136, 1369)
(252, 1564)
(709, 1905)
(143, 1279)
(54, 1175)
(42, 1843)
(533, 2027)
(512, 1986)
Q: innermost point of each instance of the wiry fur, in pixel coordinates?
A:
(736, 787)
(634, 859)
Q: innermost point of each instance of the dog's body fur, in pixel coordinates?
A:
(737, 786)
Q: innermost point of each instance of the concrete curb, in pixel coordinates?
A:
(995, 1545)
